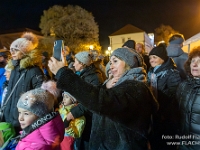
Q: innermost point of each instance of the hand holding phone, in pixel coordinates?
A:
(57, 49)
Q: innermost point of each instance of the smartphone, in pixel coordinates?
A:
(57, 49)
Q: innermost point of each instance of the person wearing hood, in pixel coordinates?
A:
(26, 74)
(121, 108)
(163, 79)
(177, 54)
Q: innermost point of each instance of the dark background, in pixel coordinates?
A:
(110, 15)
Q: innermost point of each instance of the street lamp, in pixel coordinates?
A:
(109, 51)
(91, 47)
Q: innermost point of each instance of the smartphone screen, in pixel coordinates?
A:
(57, 49)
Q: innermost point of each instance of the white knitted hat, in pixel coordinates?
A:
(26, 43)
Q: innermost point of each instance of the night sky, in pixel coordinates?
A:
(110, 15)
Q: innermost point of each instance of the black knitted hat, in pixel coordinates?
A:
(159, 51)
(129, 44)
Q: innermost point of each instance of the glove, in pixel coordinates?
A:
(66, 123)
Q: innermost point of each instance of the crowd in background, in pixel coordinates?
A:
(133, 101)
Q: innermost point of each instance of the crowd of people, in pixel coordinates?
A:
(136, 101)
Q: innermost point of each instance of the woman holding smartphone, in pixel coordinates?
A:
(121, 108)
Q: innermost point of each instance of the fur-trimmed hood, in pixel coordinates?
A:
(31, 59)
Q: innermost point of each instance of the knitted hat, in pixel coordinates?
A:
(129, 44)
(26, 43)
(73, 99)
(126, 55)
(159, 51)
(40, 101)
(84, 57)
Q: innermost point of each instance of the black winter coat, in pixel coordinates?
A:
(168, 79)
(93, 76)
(32, 78)
(121, 115)
(188, 96)
(165, 121)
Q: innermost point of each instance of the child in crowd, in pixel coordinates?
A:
(7, 132)
(73, 128)
(42, 128)
(5, 84)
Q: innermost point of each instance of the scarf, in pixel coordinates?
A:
(138, 74)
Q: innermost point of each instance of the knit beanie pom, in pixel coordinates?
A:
(31, 37)
(50, 86)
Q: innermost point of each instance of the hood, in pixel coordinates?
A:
(174, 50)
(31, 59)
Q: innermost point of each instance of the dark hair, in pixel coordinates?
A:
(176, 36)
(193, 53)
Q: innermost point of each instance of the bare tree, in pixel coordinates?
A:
(73, 24)
(163, 33)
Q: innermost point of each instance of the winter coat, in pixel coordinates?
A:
(188, 96)
(32, 78)
(43, 134)
(73, 128)
(2, 80)
(121, 115)
(76, 126)
(179, 56)
(93, 76)
(164, 81)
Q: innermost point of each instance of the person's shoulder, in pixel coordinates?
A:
(185, 54)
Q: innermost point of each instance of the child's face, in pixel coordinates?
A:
(26, 117)
(7, 74)
(66, 100)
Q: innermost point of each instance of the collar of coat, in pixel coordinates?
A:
(33, 58)
(38, 123)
